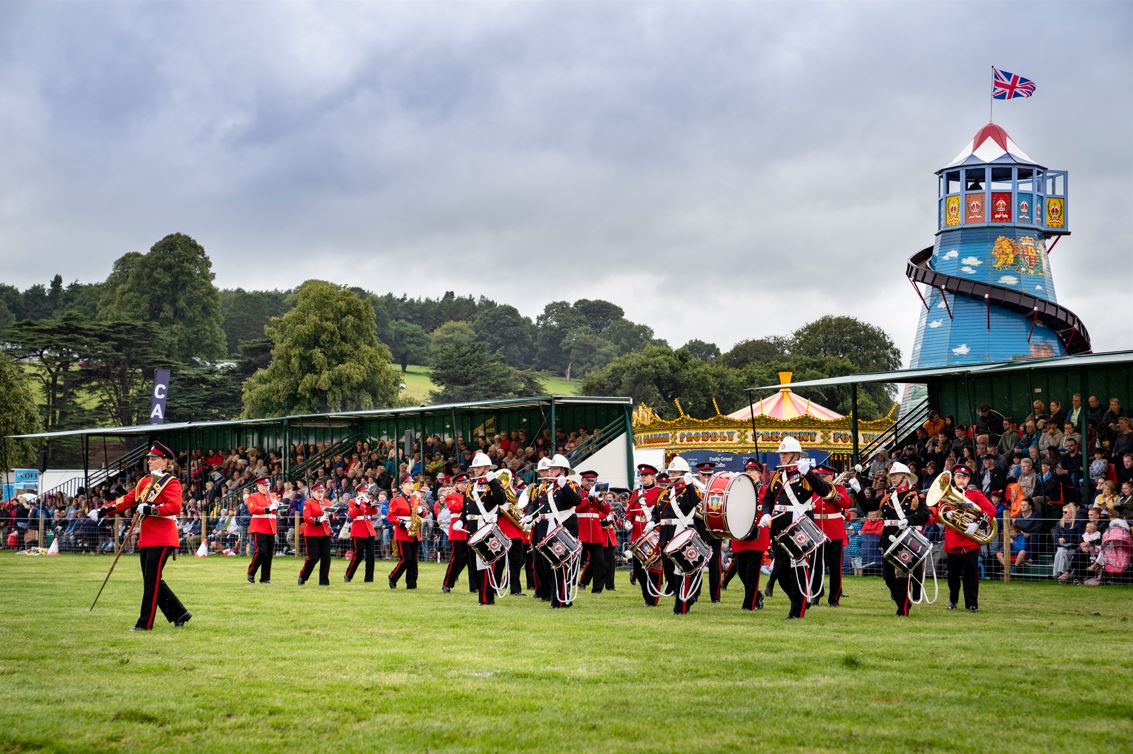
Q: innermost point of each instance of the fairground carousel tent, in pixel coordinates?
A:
(757, 428)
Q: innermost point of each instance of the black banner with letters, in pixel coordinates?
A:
(159, 395)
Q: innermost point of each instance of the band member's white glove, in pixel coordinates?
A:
(628, 526)
(420, 510)
(765, 521)
(902, 524)
(403, 522)
(147, 509)
(95, 514)
(971, 528)
(323, 518)
(490, 518)
(688, 477)
(561, 481)
(805, 465)
(458, 526)
(855, 485)
(526, 520)
(650, 527)
(273, 507)
(490, 476)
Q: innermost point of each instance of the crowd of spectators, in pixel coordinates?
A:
(218, 482)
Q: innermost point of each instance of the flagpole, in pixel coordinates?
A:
(991, 99)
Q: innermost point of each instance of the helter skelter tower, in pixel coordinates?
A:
(986, 284)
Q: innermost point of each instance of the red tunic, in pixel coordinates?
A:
(263, 520)
(361, 513)
(399, 507)
(830, 514)
(590, 514)
(454, 501)
(956, 542)
(312, 509)
(159, 530)
(636, 513)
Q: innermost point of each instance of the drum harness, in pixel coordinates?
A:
(895, 501)
(569, 590)
(503, 587)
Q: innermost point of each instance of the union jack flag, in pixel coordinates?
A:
(1007, 85)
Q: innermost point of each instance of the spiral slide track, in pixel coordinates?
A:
(1061, 320)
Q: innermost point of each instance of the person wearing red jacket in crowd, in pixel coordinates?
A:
(830, 515)
(158, 500)
(316, 536)
(400, 514)
(457, 536)
(962, 551)
(361, 511)
(639, 512)
(747, 554)
(590, 514)
(262, 505)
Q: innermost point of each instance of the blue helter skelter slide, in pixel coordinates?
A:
(988, 292)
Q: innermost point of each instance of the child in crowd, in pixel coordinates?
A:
(854, 544)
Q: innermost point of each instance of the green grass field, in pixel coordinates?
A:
(1043, 668)
(418, 384)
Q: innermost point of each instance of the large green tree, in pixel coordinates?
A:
(407, 341)
(18, 415)
(118, 368)
(54, 348)
(325, 356)
(508, 333)
(172, 286)
(466, 370)
(245, 314)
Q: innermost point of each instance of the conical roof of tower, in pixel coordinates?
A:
(990, 144)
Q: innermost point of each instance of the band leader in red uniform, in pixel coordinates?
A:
(158, 500)
(262, 505)
(361, 512)
(316, 536)
(961, 550)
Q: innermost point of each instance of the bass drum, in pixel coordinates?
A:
(490, 543)
(730, 505)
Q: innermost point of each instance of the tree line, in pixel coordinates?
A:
(85, 352)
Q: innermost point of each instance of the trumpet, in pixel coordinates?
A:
(841, 478)
(957, 512)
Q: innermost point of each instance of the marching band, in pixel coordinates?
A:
(565, 533)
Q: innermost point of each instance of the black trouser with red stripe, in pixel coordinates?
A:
(714, 569)
(792, 580)
(516, 554)
(609, 555)
(406, 563)
(263, 548)
(731, 571)
(456, 563)
(643, 580)
(747, 564)
(363, 546)
(831, 558)
(902, 588)
(155, 592)
(595, 570)
(964, 568)
(529, 566)
(318, 549)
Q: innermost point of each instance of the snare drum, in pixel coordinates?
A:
(647, 550)
(730, 505)
(688, 552)
(490, 543)
(801, 538)
(908, 551)
(559, 546)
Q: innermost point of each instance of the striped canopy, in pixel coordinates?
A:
(786, 405)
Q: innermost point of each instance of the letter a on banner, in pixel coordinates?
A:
(160, 394)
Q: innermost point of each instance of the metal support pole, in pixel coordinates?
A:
(630, 460)
(554, 431)
(754, 431)
(854, 455)
(86, 464)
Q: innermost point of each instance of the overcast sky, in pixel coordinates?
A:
(721, 170)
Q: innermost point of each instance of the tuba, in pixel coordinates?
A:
(509, 509)
(957, 512)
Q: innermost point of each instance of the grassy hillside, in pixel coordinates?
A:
(418, 385)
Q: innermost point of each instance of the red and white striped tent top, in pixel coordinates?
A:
(786, 405)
